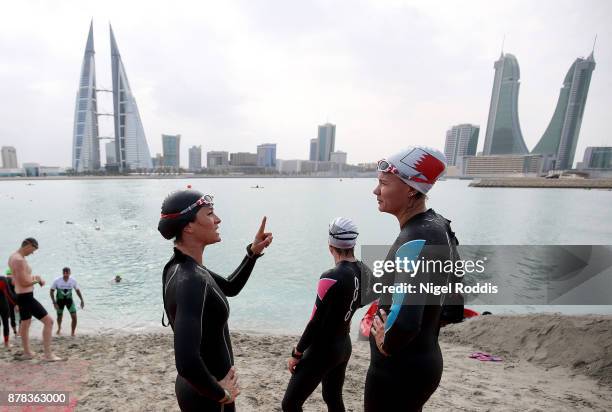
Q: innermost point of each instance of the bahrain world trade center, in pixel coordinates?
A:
(130, 143)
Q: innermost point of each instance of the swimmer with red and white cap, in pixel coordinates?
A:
(406, 362)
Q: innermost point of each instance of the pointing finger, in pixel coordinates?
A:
(262, 227)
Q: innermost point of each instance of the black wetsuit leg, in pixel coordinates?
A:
(4, 316)
(403, 384)
(319, 365)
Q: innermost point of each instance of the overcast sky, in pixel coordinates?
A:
(229, 75)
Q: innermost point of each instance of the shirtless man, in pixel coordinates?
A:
(28, 306)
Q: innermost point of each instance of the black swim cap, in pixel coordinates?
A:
(172, 221)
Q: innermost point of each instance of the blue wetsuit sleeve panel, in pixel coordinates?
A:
(191, 300)
(404, 321)
(236, 281)
(325, 294)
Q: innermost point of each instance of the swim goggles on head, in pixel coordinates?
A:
(387, 167)
(348, 235)
(206, 200)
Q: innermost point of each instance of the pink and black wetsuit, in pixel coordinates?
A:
(325, 342)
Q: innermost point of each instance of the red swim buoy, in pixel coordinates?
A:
(469, 313)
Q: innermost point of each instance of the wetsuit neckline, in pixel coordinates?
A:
(179, 253)
(418, 215)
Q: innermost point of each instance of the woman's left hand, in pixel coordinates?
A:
(262, 239)
(378, 331)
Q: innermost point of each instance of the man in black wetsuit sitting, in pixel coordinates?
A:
(195, 300)
(324, 349)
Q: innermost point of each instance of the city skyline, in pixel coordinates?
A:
(365, 82)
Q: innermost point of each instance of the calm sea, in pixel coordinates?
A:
(280, 294)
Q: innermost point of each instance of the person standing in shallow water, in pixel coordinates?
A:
(406, 361)
(195, 300)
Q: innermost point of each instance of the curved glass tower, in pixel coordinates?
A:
(561, 135)
(85, 138)
(131, 148)
(503, 135)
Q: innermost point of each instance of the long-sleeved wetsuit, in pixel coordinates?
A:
(197, 308)
(325, 342)
(406, 378)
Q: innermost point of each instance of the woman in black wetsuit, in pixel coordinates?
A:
(323, 352)
(406, 362)
(196, 305)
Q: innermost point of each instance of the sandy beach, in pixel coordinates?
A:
(549, 362)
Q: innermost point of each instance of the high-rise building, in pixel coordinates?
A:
(314, 150)
(132, 150)
(338, 157)
(111, 154)
(216, 159)
(266, 155)
(326, 141)
(503, 134)
(597, 157)
(9, 157)
(195, 158)
(171, 145)
(243, 159)
(561, 135)
(85, 139)
(461, 140)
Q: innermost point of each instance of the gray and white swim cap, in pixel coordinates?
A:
(343, 233)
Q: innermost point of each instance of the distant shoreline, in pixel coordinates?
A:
(543, 183)
(171, 177)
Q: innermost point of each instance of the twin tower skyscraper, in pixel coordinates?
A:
(131, 148)
(504, 137)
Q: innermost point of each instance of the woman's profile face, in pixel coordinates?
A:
(391, 193)
(206, 226)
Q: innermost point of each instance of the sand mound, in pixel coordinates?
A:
(582, 344)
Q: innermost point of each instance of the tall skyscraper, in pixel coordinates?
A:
(85, 142)
(561, 135)
(172, 150)
(503, 134)
(132, 150)
(9, 157)
(461, 140)
(314, 150)
(195, 158)
(326, 141)
(266, 155)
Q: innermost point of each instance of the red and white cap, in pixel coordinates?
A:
(418, 166)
